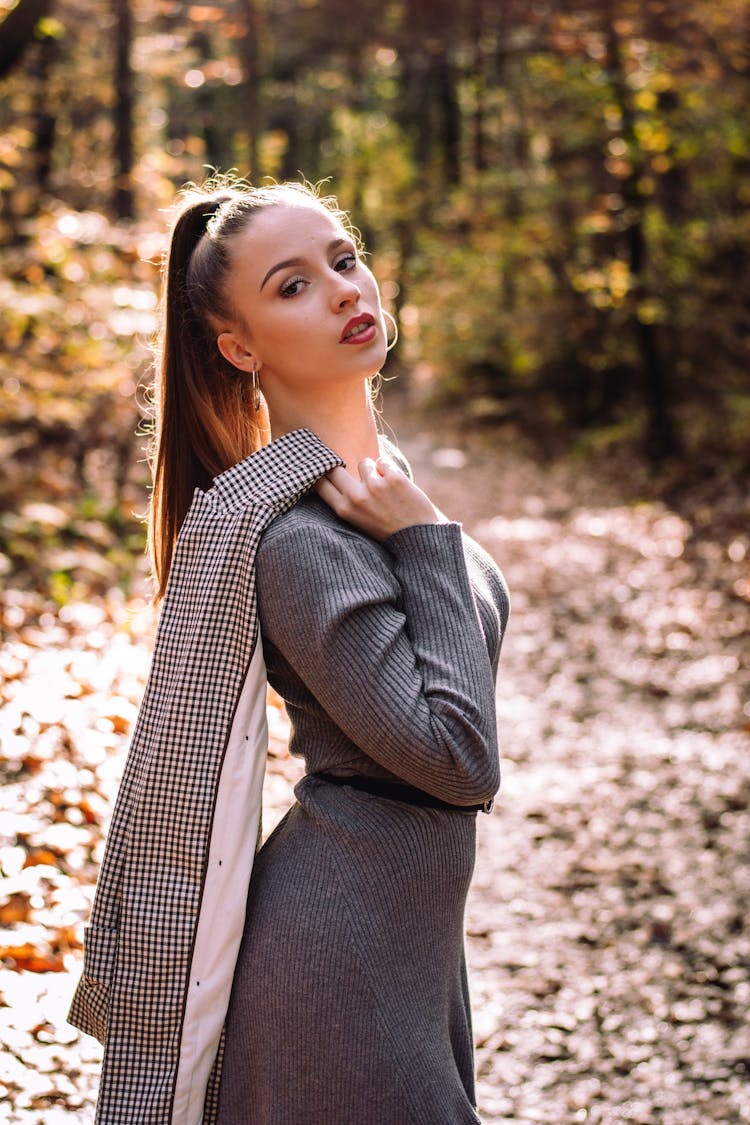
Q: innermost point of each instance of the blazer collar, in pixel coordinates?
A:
(283, 468)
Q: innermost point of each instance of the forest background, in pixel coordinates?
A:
(555, 195)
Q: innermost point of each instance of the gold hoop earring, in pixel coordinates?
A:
(390, 344)
(255, 382)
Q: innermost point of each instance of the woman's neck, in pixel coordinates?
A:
(344, 420)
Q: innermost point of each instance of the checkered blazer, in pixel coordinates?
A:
(139, 945)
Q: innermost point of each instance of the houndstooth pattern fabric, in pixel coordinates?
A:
(138, 944)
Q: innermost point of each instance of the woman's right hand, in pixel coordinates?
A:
(381, 502)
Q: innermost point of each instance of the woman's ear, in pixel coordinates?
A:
(233, 349)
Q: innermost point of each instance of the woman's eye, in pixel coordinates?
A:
(347, 262)
(292, 287)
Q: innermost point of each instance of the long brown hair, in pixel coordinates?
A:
(204, 421)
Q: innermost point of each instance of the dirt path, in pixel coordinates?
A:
(608, 947)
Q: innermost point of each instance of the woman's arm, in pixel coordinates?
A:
(399, 663)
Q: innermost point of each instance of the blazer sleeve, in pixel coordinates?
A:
(394, 654)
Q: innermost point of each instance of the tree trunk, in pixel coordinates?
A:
(289, 120)
(250, 56)
(479, 80)
(207, 119)
(661, 437)
(123, 112)
(17, 31)
(451, 117)
(45, 123)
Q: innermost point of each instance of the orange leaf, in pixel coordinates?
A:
(42, 856)
(33, 960)
(16, 908)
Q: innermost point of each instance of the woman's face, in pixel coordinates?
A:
(309, 307)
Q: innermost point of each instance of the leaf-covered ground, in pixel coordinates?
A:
(608, 922)
(608, 944)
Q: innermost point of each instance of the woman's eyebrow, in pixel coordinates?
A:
(298, 261)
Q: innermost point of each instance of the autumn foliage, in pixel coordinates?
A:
(556, 198)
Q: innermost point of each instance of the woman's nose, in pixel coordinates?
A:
(345, 292)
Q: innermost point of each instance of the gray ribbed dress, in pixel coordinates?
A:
(349, 1004)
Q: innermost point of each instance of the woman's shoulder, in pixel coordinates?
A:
(309, 554)
(310, 535)
(310, 516)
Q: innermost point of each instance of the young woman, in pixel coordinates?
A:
(381, 625)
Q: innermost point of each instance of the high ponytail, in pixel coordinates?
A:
(205, 420)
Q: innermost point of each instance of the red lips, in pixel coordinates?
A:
(364, 324)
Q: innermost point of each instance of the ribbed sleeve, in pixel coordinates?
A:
(390, 645)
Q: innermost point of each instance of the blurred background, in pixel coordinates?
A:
(556, 199)
(556, 195)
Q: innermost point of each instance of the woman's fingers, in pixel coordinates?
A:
(349, 488)
(327, 491)
(341, 491)
(339, 478)
(369, 472)
(381, 501)
(388, 468)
